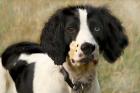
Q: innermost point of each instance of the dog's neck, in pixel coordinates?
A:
(84, 73)
(81, 71)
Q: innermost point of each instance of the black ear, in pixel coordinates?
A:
(52, 38)
(115, 39)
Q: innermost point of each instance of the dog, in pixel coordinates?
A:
(95, 32)
(66, 61)
(7, 85)
(12, 69)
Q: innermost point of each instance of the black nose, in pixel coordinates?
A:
(87, 48)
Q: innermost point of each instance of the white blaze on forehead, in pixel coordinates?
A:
(84, 34)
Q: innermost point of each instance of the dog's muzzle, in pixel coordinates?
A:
(83, 54)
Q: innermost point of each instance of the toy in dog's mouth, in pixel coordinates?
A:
(84, 60)
(78, 58)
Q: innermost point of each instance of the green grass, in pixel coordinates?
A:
(22, 20)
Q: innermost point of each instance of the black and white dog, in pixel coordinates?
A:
(18, 69)
(96, 32)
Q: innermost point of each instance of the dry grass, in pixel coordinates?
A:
(22, 20)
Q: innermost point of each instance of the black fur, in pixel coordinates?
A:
(20, 71)
(111, 39)
(55, 39)
(25, 77)
(63, 27)
(57, 34)
(11, 54)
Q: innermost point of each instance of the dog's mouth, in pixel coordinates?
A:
(79, 57)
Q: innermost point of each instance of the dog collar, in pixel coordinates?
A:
(77, 86)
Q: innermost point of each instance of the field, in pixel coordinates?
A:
(22, 20)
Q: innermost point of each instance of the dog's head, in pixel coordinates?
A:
(95, 31)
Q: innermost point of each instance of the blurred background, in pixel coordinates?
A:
(22, 20)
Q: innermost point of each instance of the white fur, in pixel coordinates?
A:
(6, 83)
(84, 35)
(47, 76)
(83, 76)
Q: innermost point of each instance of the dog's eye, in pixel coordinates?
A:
(97, 29)
(71, 30)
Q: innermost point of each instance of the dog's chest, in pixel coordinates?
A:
(89, 87)
(85, 79)
(83, 85)
(48, 79)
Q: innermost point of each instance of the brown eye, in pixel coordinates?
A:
(71, 30)
(97, 29)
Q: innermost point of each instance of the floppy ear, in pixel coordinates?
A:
(115, 39)
(52, 38)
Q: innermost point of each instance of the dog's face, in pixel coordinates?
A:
(78, 29)
(94, 30)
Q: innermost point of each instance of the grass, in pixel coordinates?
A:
(22, 20)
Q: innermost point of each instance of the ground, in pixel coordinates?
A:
(22, 20)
